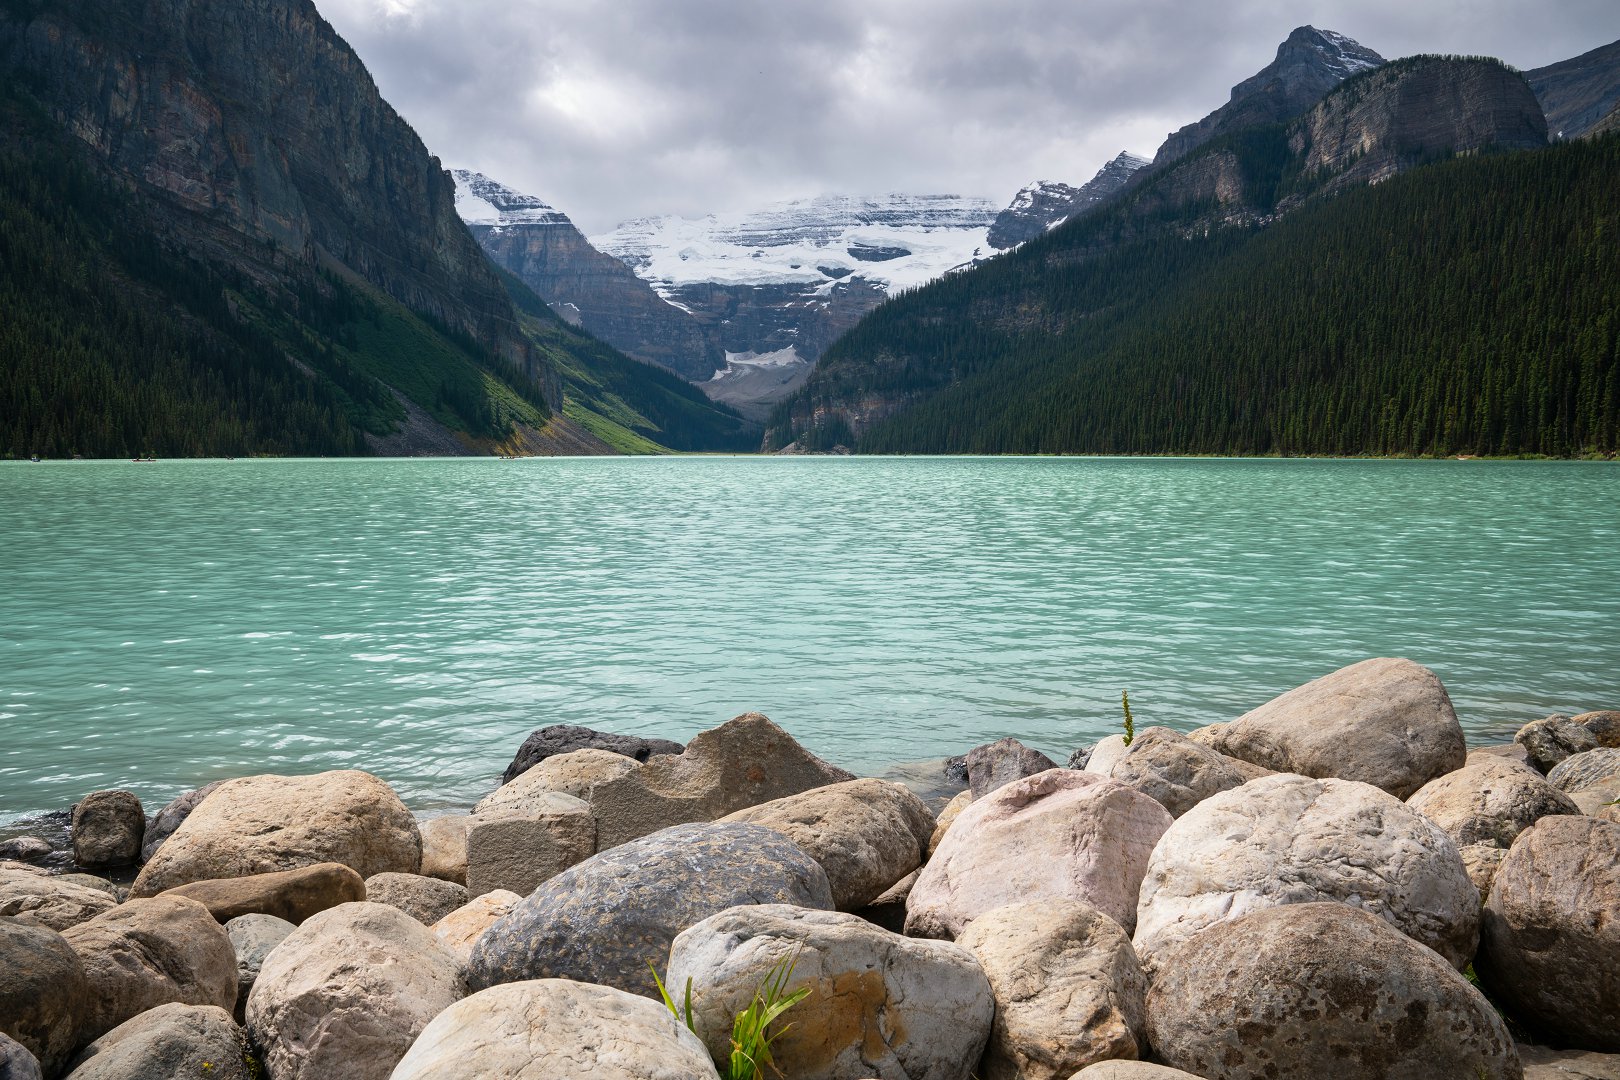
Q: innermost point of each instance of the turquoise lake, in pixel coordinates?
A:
(163, 625)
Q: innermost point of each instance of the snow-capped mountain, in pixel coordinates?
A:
(482, 201)
(1046, 204)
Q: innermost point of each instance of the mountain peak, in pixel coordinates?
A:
(1046, 204)
(482, 201)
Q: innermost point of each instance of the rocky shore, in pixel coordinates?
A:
(1331, 884)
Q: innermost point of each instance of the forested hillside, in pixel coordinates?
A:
(1470, 306)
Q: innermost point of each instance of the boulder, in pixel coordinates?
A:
(1489, 802)
(146, 953)
(170, 1041)
(444, 847)
(1550, 942)
(1131, 1070)
(998, 764)
(1604, 726)
(867, 834)
(947, 817)
(1585, 770)
(551, 1028)
(1512, 752)
(1173, 770)
(16, 1061)
(1057, 834)
(576, 775)
(43, 994)
(1310, 990)
(93, 881)
(518, 849)
(262, 824)
(458, 930)
(1552, 739)
(1289, 839)
(253, 937)
(1069, 991)
(293, 895)
(1385, 722)
(1544, 1063)
(888, 910)
(24, 849)
(743, 762)
(425, 899)
(1480, 863)
(559, 739)
(168, 819)
(879, 1004)
(348, 992)
(1104, 755)
(107, 829)
(1610, 811)
(50, 901)
(1598, 799)
(603, 920)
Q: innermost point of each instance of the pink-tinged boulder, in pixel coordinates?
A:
(1489, 802)
(947, 818)
(1550, 944)
(460, 930)
(1174, 770)
(1289, 839)
(1057, 834)
(1385, 722)
(1321, 990)
(263, 824)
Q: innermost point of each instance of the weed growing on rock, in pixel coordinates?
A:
(1130, 721)
(751, 1036)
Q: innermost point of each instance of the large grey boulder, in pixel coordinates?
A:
(293, 895)
(1550, 943)
(1069, 991)
(545, 1029)
(995, 765)
(263, 824)
(604, 920)
(170, 818)
(1489, 802)
(171, 1041)
(867, 834)
(879, 1004)
(1288, 839)
(347, 993)
(1552, 739)
(1584, 770)
(1173, 770)
(518, 847)
(17, 1062)
(50, 901)
(107, 829)
(1057, 834)
(253, 937)
(444, 847)
(1310, 990)
(43, 994)
(558, 739)
(743, 762)
(425, 899)
(1386, 722)
(461, 929)
(146, 953)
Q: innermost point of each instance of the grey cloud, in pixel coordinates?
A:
(626, 108)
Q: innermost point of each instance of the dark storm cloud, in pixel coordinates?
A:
(626, 108)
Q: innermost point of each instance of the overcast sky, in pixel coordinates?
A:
(625, 108)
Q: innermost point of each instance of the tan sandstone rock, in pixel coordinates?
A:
(1604, 725)
(43, 992)
(461, 929)
(1489, 802)
(50, 901)
(517, 847)
(425, 899)
(293, 895)
(171, 1041)
(444, 847)
(947, 817)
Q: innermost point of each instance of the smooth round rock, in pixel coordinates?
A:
(107, 829)
(425, 899)
(1550, 942)
(995, 765)
(1069, 991)
(146, 953)
(1585, 770)
(879, 1004)
(24, 849)
(1386, 722)
(1321, 990)
(603, 920)
(1058, 834)
(293, 895)
(43, 993)
(1173, 770)
(1554, 738)
(1131, 1070)
(545, 1029)
(174, 1040)
(1289, 839)
(1489, 802)
(867, 834)
(347, 993)
(50, 901)
(171, 817)
(253, 936)
(265, 824)
(16, 1061)
(558, 739)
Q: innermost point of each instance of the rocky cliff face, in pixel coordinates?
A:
(1308, 64)
(263, 136)
(1579, 93)
(1044, 205)
(541, 246)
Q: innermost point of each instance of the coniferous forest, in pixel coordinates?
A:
(1469, 306)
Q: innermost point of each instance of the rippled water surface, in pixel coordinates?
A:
(162, 625)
